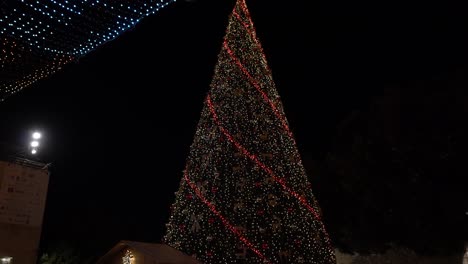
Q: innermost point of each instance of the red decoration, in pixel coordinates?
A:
(242, 77)
(257, 86)
(254, 158)
(224, 220)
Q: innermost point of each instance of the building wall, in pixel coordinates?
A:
(138, 258)
(19, 242)
(398, 256)
(145, 253)
(23, 192)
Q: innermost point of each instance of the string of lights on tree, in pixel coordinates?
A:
(38, 37)
(244, 196)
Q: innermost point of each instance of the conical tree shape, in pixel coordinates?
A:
(244, 196)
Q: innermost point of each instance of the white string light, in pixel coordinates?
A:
(39, 37)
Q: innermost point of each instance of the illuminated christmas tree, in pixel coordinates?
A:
(244, 196)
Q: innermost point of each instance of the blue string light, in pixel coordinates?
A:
(76, 28)
(37, 37)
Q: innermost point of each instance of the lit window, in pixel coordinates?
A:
(128, 258)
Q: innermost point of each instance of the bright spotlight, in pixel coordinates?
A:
(36, 135)
(35, 144)
(34, 151)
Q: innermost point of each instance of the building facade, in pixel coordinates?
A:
(23, 192)
(131, 252)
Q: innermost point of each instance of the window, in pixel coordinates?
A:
(127, 258)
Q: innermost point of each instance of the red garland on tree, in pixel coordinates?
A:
(244, 152)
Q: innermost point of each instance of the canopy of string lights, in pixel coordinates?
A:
(39, 37)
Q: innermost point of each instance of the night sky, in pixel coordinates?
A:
(118, 124)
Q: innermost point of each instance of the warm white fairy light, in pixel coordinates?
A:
(128, 258)
(245, 196)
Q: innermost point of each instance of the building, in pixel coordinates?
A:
(23, 191)
(398, 256)
(130, 252)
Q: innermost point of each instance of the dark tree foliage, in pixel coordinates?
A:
(399, 170)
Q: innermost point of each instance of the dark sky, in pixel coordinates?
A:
(118, 124)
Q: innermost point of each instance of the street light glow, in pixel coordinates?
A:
(6, 260)
(34, 145)
(36, 135)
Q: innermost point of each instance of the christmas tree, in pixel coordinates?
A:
(245, 196)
